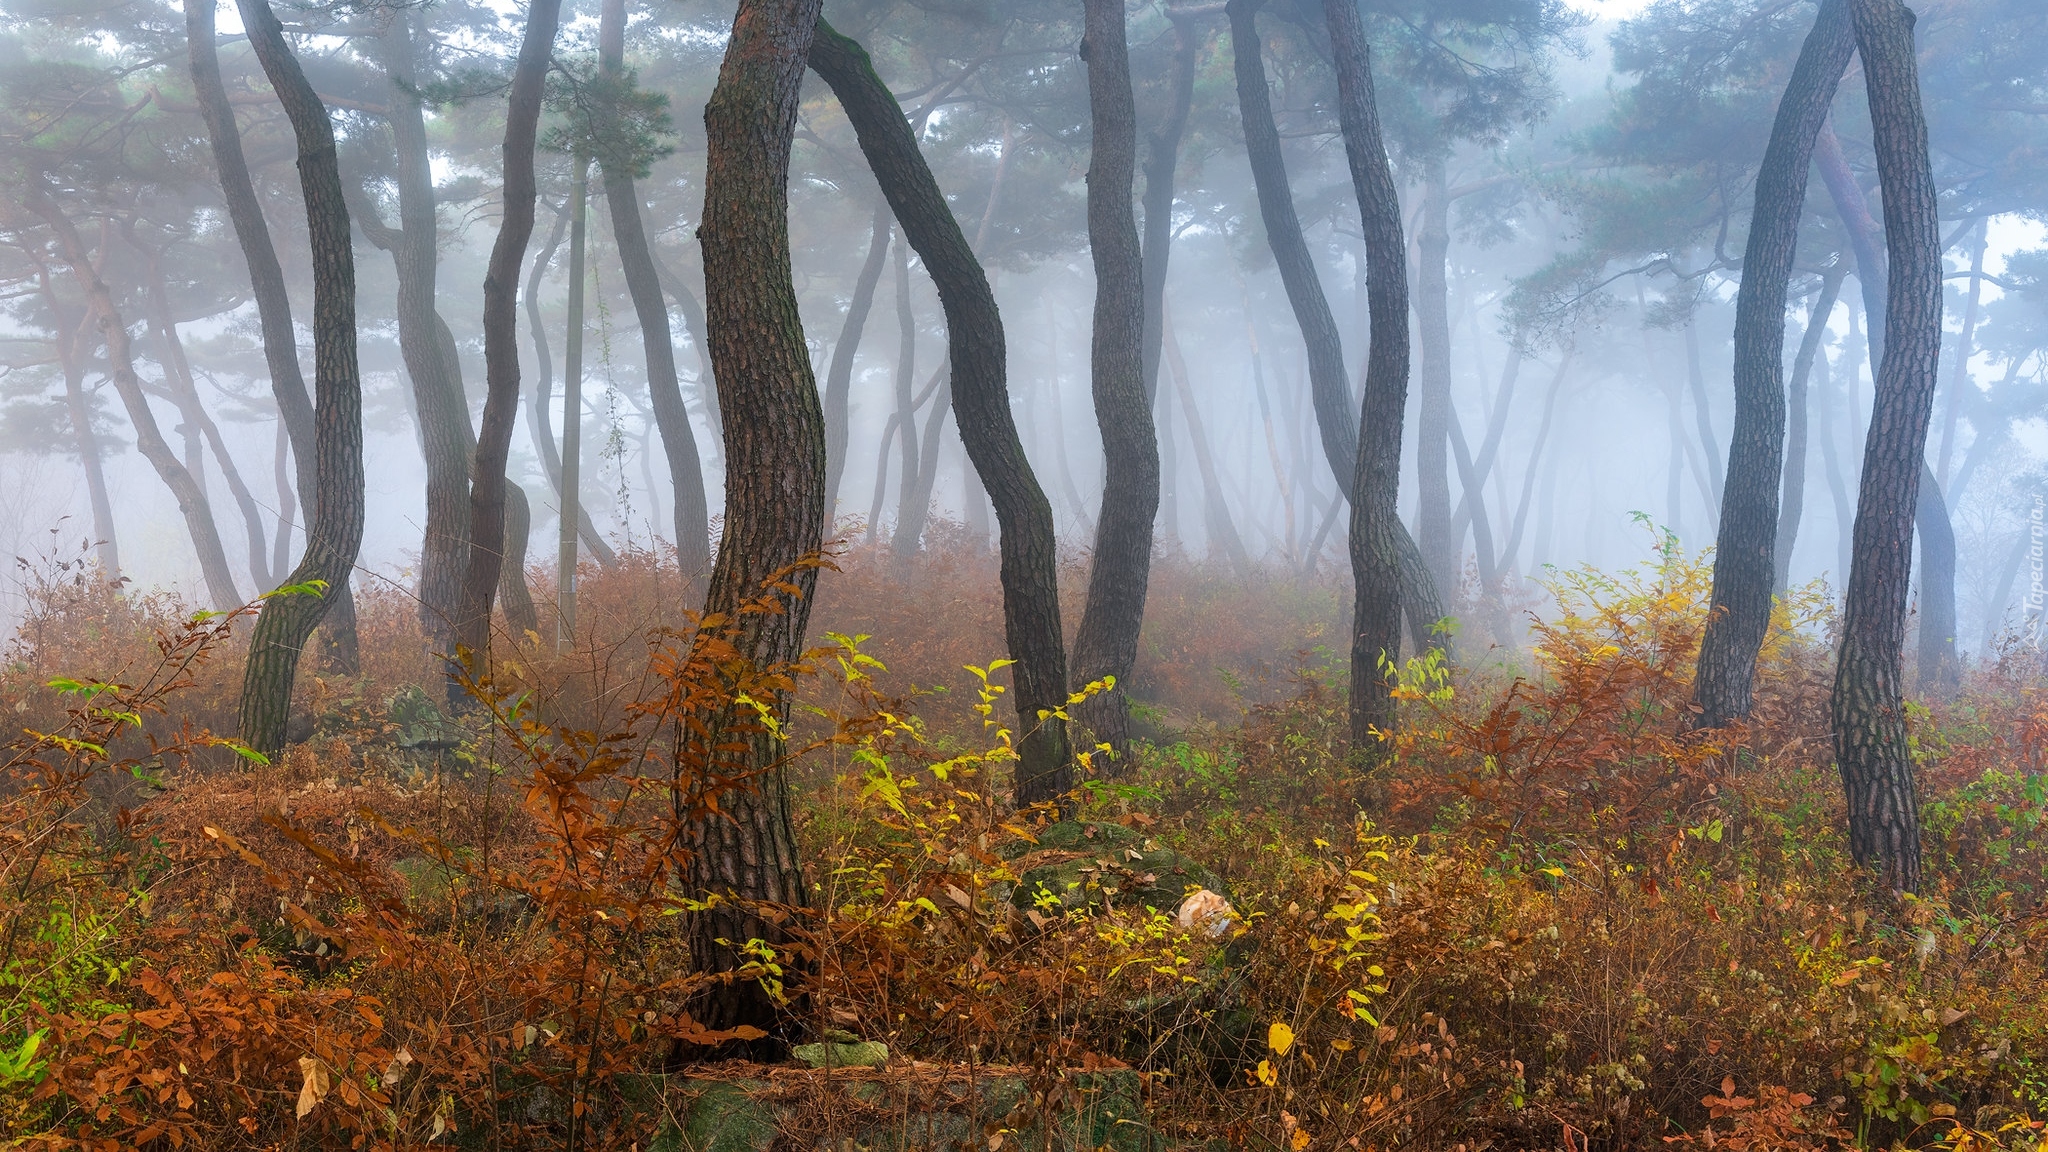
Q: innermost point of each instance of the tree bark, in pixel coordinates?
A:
(1217, 526)
(1106, 644)
(974, 338)
(1745, 566)
(287, 501)
(774, 432)
(487, 484)
(68, 334)
(539, 425)
(1936, 672)
(1433, 409)
(1831, 458)
(1376, 485)
(149, 439)
(572, 411)
(1868, 706)
(336, 528)
(643, 284)
(909, 463)
(917, 505)
(1330, 391)
(1162, 158)
(1792, 500)
(839, 378)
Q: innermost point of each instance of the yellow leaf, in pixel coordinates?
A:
(1265, 1074)
(1279, 1038)
(1300, 1139)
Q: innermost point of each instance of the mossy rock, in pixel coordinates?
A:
(1085, 865)
(421, 727)
(841, 1049)
(724, 1116)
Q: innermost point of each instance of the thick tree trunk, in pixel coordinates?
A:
(445, 437)
(149, 439)
(335, 531)
(1433, 409)
(1745, 568)
(539, 422)
(487, 482)
(1792, 500)
(643, 284)
(774, 432)
(1376, 485)
(1106, 644)
(1868, 705)
(839, 378)
(1331, 392)
(974, 337)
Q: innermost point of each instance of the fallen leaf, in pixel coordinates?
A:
(313, 1084)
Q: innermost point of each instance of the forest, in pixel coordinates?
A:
(719, 575)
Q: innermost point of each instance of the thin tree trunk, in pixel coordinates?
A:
(287, 503)
(1936, 672)
(906, 380)
(1106, 644)
(1959, 376)
(643, 284)
(1335, 416)
(149, 439)
(1868, 704)
(1489, 449)
(1375, 520)
(1792, 501)
(1514, 540)
(1745, 566)
(1217, 526)
(487, 483)
(1831, 457)
(974, 338)
(69, 337)
(1440, 549)
(774, 432)
(1162, 158)
(916, 510)
(336, 528)
(572, 410)
(1703, 414)
(839, 378)
(539, 422)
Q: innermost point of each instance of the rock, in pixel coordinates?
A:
(1085, 865)
(421, 726)
(838, 1048)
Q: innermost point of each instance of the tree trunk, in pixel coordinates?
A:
(774, 432)
(149, 439)
(572, 411)
(1745, 566)
(1217, 526)
(909, 464)
(1936, 672)
(1868, 706)
(68, 329)
(287, 502)
(1831, 458)
(445, 437)
(1162, 157)
(1703, 413)
(1489, 449)
(1792, 501)
(1433, 411)
(1106, 644)
(643, 284)
(917, 505)
(336, 528)
(1376, 485)
(1330, 391)
(501, 334)
(1959, 376)
(539, 424)
(974, 338)
(839, 378)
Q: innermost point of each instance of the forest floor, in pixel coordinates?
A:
(1547, 918)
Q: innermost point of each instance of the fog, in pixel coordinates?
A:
(1599, 166)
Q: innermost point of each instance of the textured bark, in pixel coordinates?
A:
(1868, 704)
(1336, 419)
(643, 284)
(1106, 644)
(1792, 497)
(335, 530)
(774, 432)
(1745, 568)
(839, 377)
(974, 339)
(149, 439)
(501, 333)
(1162, 157)
(1440, 549)
(539, 423)
(1376, 485)
(445, 435)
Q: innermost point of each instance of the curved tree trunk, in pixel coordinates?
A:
(1106, 644)
(1217, 526)
(1792, 501)
(68, 334)
(501, 333)
(1376, 486)
(336, 528)
(1745, 569)
(643, 283)
(918, 505)
(974, 339)
(149, 439)
(1329, 390)
(539, 424)
(1868, 703)
(774, 431)
(839, 378)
